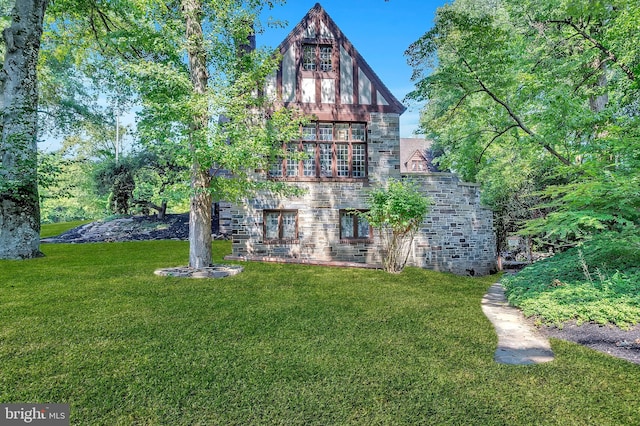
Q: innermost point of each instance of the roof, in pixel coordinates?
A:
(328, 30)
(412, 148)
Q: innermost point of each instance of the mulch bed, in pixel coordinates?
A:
(134, 228)
(608, 339)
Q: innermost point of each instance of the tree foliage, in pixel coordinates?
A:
(66, 189)
(197, 78)
(538, 98)
(396, 212)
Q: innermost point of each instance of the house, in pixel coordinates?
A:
(416, 156)
(352, 145)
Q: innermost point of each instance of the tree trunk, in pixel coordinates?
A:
(162, 212)
(19, 204)
(200, 213)
(598, 103)
(200, 220)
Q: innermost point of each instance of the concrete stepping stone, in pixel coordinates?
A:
(518, 342)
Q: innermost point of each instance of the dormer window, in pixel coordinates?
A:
(317, 57)
(417, 165)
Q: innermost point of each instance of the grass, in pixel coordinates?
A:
(55, 229)
(596, 282)
(90, 325)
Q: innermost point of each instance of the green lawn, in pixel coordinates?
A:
(55, 229)
(90, 325)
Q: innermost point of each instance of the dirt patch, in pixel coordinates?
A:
(608, 339)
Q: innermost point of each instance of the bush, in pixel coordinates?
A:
(396, 213)
(598, 281)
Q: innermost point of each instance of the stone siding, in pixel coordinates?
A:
(457, 235)
(224, 218)
(384, 147)
(318, 225)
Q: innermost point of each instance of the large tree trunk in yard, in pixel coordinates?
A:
(19, 204)
(200, 214)
(200, 221)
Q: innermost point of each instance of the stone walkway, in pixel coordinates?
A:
(518, 342)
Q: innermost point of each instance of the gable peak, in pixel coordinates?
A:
(321, 66)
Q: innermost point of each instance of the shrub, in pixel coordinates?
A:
(396, 213)
(599, 281)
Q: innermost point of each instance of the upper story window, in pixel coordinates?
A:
(325, 150)
(317, 57)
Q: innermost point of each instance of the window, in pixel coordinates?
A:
(327, 150)
(325, 58)
(317, 57)
(353, 227)
(417, 165)
(309, 58)
(280, 225)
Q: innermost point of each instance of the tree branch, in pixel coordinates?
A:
(596, 69)
(452, 111)
(610, 55)
(513, 126)
(515, 117)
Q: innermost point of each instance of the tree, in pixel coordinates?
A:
(191, 63)
(535, 95)
(19, 204)
(396, 212)
(216, 120)
(20, 80)
(66, 189)
(228, 128)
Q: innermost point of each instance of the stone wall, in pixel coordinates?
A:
(318, 225)
(384, 147)
(457, 235)
(224, 218)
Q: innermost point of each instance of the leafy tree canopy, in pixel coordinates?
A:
(539, 96)
(197, 77)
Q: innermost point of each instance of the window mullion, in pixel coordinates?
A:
(334, 150)
(302, 157)
(350, 139)
(283, 164)
(317, 142)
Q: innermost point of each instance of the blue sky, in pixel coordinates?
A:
(381, 31)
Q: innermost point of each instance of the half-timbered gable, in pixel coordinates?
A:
(323, 74)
